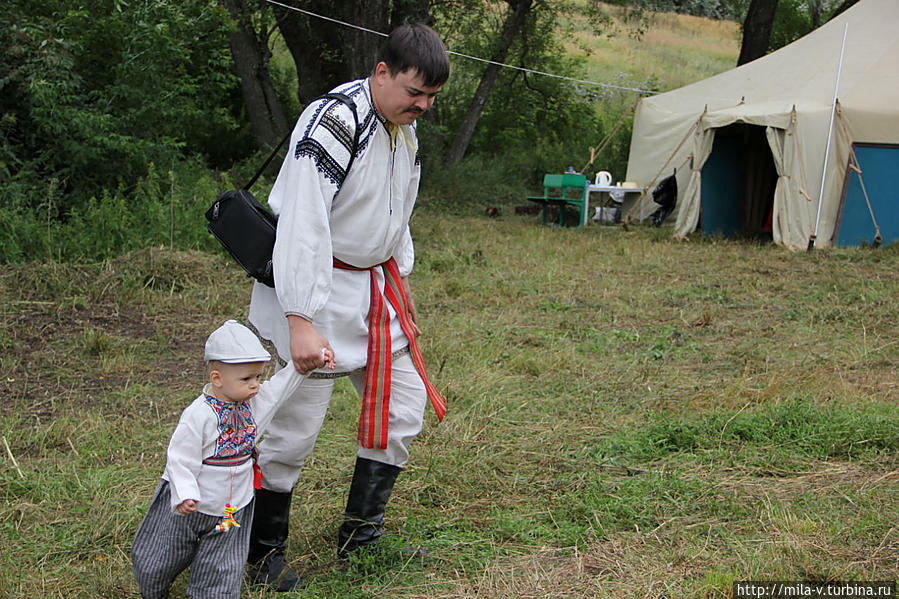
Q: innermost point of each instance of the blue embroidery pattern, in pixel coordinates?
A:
(237, 430)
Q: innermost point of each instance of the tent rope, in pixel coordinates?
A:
(627, 216)
(594, 152)
(855, 166)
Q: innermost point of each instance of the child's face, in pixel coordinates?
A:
(236, 383)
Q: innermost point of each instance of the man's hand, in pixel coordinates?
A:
(410, 304)
(308, 349)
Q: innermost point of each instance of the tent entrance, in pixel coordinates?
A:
(879, 164)
(738, 182)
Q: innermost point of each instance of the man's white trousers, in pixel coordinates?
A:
(291, 436)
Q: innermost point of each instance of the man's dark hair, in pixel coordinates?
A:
(412, 46)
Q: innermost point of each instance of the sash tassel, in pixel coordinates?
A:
(376, 391)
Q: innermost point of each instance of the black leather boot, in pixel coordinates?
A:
(363, 522)
(268, 541)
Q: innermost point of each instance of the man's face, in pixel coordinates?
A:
(401, 97)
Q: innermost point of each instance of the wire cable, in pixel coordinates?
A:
(638, 90)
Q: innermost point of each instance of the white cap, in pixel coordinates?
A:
(233, 343)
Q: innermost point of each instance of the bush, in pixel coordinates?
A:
(476, 183)
(92, 96)
(163, 209)
(22, 235)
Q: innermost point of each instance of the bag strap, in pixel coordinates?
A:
(266, 163)
(331, 96)
(352, 106)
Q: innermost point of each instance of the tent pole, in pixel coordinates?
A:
(833, 110)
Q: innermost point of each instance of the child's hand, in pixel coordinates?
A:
(188, 506)
(328, 357)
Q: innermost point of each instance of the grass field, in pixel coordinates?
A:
(672, 49)
(630, 416)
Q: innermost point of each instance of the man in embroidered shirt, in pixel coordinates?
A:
(341, 261)
(201, 511)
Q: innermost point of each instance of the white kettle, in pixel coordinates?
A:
(604, 178)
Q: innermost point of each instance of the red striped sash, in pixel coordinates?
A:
(376, 394)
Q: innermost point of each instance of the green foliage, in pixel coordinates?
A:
(552, 120)
(473, 184)
(796, 18)
(715, 9)
(95, 91)
(23, 234)
(791, 21)
(100, 98)
(162, 208)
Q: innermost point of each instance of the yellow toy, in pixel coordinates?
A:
(228, 520)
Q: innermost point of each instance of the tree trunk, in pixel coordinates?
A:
(413, 11)
(814, 13)
(325, 53)
(251, 56)
(363, 46)
(757, 30)
(513, 23)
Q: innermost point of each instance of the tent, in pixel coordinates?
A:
(749, 145)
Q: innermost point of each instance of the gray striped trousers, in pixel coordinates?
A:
(167, 543)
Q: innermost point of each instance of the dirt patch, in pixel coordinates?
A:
(84, 353)
(88, 332)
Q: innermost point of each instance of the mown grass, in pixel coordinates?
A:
(630, 416)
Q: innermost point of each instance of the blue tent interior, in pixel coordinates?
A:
(738, 187)
(879, 165)
(738, 181)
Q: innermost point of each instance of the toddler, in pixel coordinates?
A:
(201, 512)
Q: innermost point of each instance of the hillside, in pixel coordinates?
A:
(673, 49)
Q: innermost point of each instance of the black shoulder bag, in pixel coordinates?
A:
(245, 227)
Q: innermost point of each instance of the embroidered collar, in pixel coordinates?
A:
(237, 430)
(366, 85)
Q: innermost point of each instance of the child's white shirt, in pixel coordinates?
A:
(195, 439)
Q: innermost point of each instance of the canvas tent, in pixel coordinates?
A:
(751, 142)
